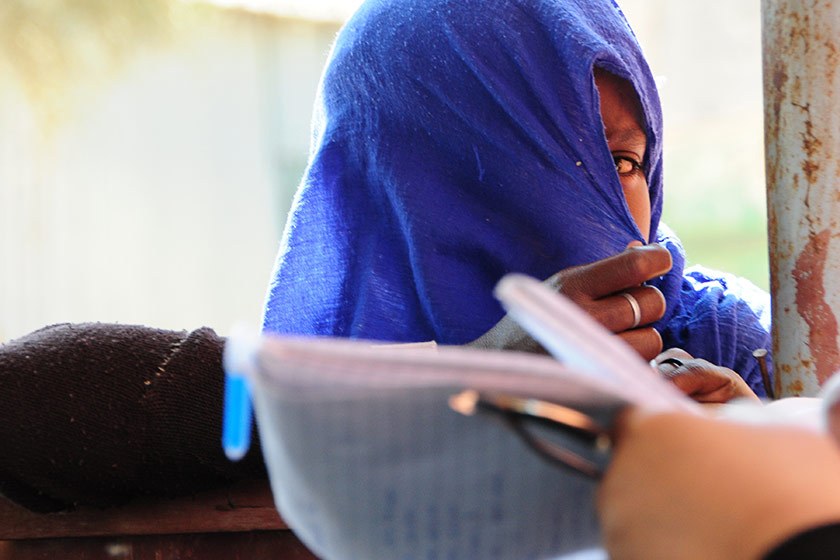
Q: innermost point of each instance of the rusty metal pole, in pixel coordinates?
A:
(801, 46)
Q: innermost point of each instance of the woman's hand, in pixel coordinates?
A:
(612, 292)
(701, 380)
(692, 487)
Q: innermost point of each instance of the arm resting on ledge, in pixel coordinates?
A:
(98, 414)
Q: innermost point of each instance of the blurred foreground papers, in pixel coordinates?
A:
(367, 461)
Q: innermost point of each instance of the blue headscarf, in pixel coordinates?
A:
(455, 141)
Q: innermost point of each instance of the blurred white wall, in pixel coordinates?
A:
(709, 54)
(160, 195)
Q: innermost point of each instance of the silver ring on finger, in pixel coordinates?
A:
(637, 310)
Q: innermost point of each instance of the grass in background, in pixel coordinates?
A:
(715, 202)
(737, 251)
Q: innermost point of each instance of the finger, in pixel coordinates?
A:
(627, 269)
(693, 377)
(707, 383)
(674, 352)
(671, 359)
(620, 312)
(646, 342)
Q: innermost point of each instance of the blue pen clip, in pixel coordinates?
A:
(239, 360)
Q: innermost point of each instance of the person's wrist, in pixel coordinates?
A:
(779, 522)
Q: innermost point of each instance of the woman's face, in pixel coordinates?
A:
(624, 128)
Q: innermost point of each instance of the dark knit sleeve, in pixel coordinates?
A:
(101, 413)
(819, 543)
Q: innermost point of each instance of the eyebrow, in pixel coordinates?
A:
(629, 134)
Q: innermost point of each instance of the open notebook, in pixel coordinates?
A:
(368, 457)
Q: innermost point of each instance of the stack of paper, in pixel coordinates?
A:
(367, 460)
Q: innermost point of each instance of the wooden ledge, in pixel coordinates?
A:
(241, 507)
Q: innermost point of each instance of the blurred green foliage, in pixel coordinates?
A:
(738, 250)
(716, 204)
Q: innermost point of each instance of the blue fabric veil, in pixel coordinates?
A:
(455, 141)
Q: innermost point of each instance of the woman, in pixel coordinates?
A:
(459, 140)
(455, 141)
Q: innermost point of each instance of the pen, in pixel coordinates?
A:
(238, 360)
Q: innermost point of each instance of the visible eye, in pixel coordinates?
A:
(625, 165)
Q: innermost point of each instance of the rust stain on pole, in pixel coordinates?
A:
(811, 303)
(801, 42)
